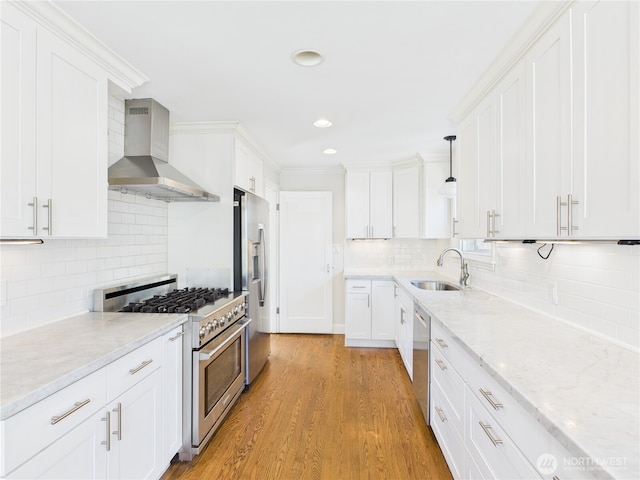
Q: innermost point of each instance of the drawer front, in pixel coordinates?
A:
(451, 385)
(29, 431)
(358, 286)
(133, 367)
(541, 449)
(448, 436)
(449, 348)
(491, 448)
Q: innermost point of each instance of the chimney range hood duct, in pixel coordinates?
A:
(144, 169)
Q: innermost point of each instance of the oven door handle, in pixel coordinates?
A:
(204, 355)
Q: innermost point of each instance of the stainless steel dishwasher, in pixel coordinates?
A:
(421, 339)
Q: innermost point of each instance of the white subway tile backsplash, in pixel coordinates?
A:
(48, 282)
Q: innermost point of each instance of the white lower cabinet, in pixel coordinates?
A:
(136, 431)
(404, 329)
(172, 347)
(111, 424)
(369, 313)
(482, 430)
(77, 455)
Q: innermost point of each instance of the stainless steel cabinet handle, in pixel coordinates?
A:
(441, 342)
(489, 223)
(494, 216)
(133, 371)
(176, 336)
(441, 364)
(441, 414)
(34, 204)
(49, 227)
(559, 227)
(395, 290)
(119, 412)
(107, 442)
(372, 236)
(570, 203)
(76, 406)
(487, 429)
(368, 301)
(453, 227)
(358, 286)
(489, 397)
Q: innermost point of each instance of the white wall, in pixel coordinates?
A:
(43, 283)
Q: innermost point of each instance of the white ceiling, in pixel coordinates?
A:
(392, 74)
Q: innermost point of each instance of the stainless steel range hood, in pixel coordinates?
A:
(145, 170)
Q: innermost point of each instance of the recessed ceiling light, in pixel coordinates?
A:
(322, 123)
(307, 58)
(330, 151)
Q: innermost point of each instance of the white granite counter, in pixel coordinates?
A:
(583, 389)
(37, 363)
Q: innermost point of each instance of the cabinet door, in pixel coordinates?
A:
(357, 204)
(358, 315)
(172, 350)
(487, 184)
(510, 155)
(18, 123)
(437, 208)
(467, 201)
(382, 310)
(72, 141)
(80, 454)
(606, 110)
(548, 66)
(407, 202)
(381, 204)
(248, 169)
(136, 431)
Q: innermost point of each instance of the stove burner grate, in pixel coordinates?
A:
(182, 300)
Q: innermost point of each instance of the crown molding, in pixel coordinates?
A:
(60, 23)
(535, 26)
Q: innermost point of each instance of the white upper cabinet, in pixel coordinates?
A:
(369, 204)
(467, 211)
(552, 151)
(407, 201)
(548, 65)
(606, 108)
(436, 218)
(508, 219)
(54, 95)
(248, 169)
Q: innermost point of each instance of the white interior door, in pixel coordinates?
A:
(306, 258)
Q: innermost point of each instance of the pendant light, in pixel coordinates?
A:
(449, 188)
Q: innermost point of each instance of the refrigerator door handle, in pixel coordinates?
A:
(263, 257)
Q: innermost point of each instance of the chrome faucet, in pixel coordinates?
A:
(464, 271)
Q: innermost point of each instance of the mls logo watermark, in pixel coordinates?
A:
(547, 464)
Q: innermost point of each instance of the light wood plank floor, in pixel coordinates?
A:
(320, 410)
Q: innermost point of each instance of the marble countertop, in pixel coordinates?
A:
(39, 362)
(581, 388)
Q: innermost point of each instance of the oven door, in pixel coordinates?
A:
(218, 379)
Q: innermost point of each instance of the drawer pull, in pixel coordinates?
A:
(441, 364)
(488, 396)
(118, 410)
(441, 342)
(358, 286)
(441, 414)
(76, 406)
(487, 429)
(176, 336)
(133, 371)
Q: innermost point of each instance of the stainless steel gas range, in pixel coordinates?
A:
(215, 346)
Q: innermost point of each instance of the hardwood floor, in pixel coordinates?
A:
(320, 410)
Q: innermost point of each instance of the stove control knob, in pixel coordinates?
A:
(229, 316)
(214, 324)
(236, 309)
(222, 320)
(203, 332)
(241, 306)
(210, 326)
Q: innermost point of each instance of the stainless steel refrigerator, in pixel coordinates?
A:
(251, 266)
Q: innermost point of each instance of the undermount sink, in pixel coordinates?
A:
(433, 285)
